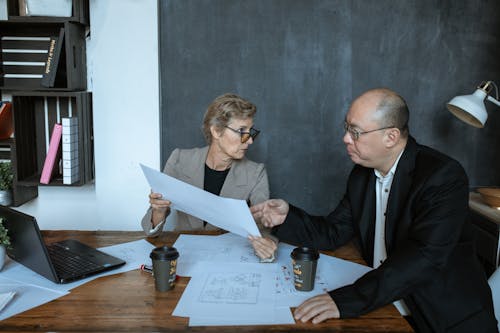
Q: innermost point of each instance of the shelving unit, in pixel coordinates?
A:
(37, 108)
(20, 194)
(35, 113)
(71, 70)
(80, 14)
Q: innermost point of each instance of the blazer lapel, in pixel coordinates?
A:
(194, 171)
(399, 192)
(237, 178)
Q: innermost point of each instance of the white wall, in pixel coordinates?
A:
(122, 62)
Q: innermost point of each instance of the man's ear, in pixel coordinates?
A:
(391, 137)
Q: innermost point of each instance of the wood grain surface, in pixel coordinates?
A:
(128, 301)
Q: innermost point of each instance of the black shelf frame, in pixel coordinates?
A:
(20, 193)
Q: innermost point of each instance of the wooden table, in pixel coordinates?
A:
(128, 301)
(486, 223)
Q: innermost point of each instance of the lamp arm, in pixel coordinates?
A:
(493, 100)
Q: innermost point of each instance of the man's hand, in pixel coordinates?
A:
(319, 308)
(271, 212)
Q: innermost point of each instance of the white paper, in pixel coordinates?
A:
(33, 289)
(229, 214)
(331, 273)
(134, 253)
(237, 291)
(279, 316)
(216, 249)
(5, 298)
(27, 296)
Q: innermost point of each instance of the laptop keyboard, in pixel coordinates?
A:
(68, 263)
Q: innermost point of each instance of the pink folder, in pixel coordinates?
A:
(52, 155)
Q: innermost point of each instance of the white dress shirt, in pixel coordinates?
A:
(382, 189)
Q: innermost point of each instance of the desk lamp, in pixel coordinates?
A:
(470, 108)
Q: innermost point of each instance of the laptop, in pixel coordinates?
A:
(61, 262)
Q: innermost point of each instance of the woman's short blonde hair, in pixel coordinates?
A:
(223, 109)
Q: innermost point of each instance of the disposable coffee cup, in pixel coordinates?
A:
(164, 267)
(304, 262)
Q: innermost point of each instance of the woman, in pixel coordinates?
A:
(220, 168)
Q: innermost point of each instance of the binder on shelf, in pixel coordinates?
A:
(70, 161)
(55, 47)
(50, 167)
(71, 154)
(68, 180)
(69, 122)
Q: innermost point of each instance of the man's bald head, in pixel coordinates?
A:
(389, 108)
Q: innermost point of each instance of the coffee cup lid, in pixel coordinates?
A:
(164, 253)
(304, 253)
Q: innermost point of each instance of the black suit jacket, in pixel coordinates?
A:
(431, 261)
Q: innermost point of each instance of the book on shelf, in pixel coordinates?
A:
(6, 124)
(70, 160)
(55, 47)
(71, 175)
(51, 164)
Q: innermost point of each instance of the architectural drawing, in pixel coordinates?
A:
(237, 288)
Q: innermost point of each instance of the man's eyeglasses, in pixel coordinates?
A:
(355, 133)
(245, 136)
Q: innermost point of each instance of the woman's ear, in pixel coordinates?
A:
(215, 132)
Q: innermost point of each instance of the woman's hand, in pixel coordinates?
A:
(160, 208)
(264, 247)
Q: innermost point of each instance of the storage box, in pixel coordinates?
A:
(35, 114)
(26, 50)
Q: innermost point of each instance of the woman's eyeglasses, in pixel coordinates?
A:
(245, 136)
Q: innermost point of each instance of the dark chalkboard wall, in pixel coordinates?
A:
(302, 63)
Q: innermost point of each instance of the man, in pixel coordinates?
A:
(406, 205)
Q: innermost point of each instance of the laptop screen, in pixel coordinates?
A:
(27, 245)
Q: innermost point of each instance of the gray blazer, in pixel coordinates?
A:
(246, 180)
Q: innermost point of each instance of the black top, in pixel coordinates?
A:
(213, 182)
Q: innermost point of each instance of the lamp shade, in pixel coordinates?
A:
(470, 108)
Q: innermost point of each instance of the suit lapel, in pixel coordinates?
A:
(367, 218)
(400, 188)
